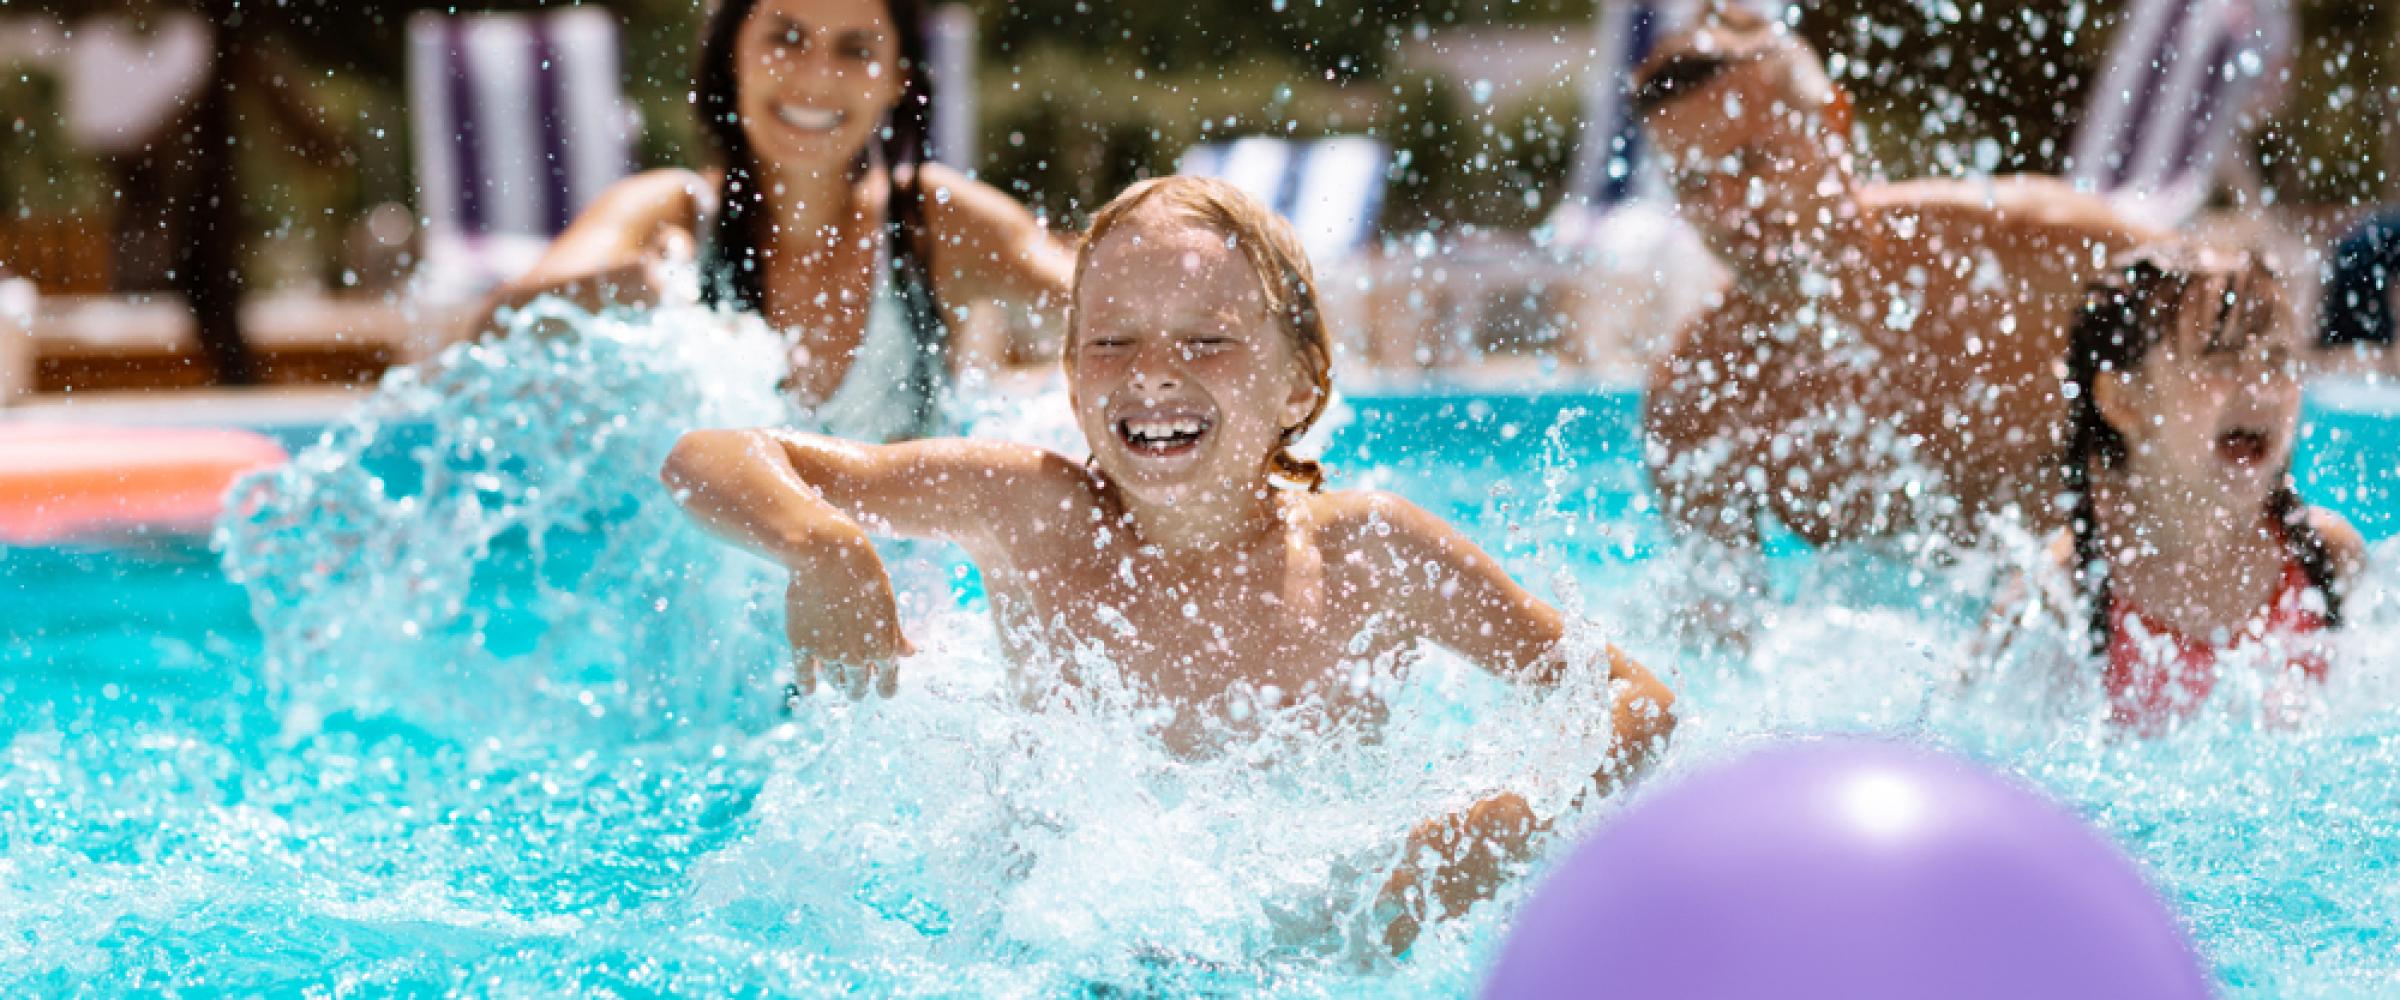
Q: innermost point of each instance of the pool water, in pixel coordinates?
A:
(458, 702)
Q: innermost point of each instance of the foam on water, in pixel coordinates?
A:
(518, 727)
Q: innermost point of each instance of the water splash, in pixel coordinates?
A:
(485, 540)
(364, 806)
(478, 571)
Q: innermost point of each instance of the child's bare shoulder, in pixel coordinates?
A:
(1367, 523)
(2343, 544)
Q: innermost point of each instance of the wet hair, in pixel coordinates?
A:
(730, 268)
(1274, 252)
(2126, 313)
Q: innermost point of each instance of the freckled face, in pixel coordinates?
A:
(1181, 378)
(1750, 171)
(816, 79)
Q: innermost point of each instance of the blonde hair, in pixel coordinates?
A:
(1274, 253)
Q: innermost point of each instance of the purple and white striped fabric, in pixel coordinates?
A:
(518, 125)
(1608, 160)
(2185, 80)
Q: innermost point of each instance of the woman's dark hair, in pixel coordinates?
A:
(730, 269)
(2125, 314)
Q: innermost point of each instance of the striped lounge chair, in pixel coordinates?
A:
(1331, 189)
(518, 125)
(2185, 80)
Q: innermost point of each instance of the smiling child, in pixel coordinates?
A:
(1194, 548)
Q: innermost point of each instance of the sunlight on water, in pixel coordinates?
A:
(518, 726)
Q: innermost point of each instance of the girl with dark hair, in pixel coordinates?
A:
(2187, 547)
(824, 215)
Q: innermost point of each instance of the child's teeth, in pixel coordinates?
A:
(1155, 430)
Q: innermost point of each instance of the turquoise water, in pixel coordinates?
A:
(457, 702)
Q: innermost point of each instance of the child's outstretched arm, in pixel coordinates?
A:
(812, 503)
(1455, 594)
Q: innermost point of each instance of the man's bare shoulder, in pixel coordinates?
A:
(2020, 203)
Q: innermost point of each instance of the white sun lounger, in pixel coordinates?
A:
(950, 50)
(1611, 159)
(1331, 189)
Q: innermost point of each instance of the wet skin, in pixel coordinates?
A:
(814, 82)
(1173, 552)
(1798, 393)
(816, 79)
(2209, 419)
(1183, 562)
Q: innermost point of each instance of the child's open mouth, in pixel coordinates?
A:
(1163, 437)
(2243, 447)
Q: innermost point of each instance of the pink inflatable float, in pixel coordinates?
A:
(65, 481)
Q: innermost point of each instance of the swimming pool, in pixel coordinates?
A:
(510, 725)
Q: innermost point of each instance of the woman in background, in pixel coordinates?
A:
(823, 216)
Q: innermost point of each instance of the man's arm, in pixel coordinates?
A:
(2036, 211)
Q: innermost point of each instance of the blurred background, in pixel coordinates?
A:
(306, 198)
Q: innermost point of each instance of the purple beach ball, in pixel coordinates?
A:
(1847, 868)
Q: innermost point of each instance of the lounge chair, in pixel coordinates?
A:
(1331, 189)
(950, 43)
(518, 125)
(1611, 165)
(2185, 80)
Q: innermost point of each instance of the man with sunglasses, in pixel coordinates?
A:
(1884, 359)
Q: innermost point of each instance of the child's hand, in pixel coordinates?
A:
(1454, 862)
(854, 641)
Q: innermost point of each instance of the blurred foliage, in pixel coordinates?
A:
(1066, 146)
(1947, 86)
(1071, 116)
(1953, 86)
(43, 174)
(2333, 142)
(1348, 39)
